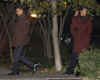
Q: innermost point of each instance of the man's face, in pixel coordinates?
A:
(84, 12)
(19, 12)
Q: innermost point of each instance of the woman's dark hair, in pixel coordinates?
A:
(82, 7)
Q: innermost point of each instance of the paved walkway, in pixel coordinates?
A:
(4, 76)
(3, 71)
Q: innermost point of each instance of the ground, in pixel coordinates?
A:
(37, 76)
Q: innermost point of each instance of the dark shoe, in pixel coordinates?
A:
(13, 73)
(77, 74)
(68, 73)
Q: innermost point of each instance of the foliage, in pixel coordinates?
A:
(93, 6)
(89, 62)
(44, 5)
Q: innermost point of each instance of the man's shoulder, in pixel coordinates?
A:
(25, 19)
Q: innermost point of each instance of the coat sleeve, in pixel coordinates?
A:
(26, 27)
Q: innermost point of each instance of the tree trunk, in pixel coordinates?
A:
(46, 41)
(55, 39)
(49, 49)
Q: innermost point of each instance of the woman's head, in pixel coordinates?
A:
(83, 12)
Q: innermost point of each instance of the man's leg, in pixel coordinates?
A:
(23, 59)
(73, 63)
(26, 61)
(16, 57)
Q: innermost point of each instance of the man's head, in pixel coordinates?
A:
(19, 11)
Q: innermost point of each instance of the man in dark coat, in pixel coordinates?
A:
(80, 29)
(19, 39)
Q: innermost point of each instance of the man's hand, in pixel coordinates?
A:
(76, 13)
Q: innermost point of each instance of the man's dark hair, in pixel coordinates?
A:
(19, 6)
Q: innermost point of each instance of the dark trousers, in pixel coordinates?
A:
(73, 63)
(19, 56)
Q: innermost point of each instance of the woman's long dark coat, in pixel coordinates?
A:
(81, 28)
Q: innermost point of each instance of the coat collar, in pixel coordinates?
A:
(20, 17)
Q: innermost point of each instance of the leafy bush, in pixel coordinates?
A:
(89, 62)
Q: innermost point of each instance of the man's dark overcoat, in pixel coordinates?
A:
(20, 31)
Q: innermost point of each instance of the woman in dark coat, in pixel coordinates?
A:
(19, 39)
(80, 29)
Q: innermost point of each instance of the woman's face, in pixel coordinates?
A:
(19, 11)
(84, 12)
